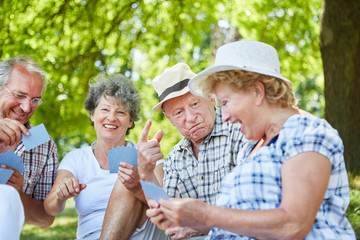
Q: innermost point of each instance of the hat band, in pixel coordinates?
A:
(174, 88)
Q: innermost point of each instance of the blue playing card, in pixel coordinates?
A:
(153, 191)
(12, 160)
(38, 135)
(5, 174)
(121, 154)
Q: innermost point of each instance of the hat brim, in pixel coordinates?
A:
(196, 82)
(158, 107)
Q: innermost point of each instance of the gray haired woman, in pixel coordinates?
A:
(113, 103)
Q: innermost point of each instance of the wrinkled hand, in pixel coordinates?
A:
(157, 216)
(16, 180)
(10, 131)
(70, 187)
(148, 153)
(178, 233)
(184, 212)
(129, 177)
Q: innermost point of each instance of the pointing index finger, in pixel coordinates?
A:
(145, 132)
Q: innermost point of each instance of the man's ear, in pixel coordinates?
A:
(260, 93)
(168, 117)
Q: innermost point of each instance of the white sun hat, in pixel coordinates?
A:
(243, 55)
(173, 82)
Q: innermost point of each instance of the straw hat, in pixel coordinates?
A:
(249, 56)
(173, 82)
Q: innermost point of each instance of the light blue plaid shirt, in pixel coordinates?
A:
(256, 183)
(188, 177)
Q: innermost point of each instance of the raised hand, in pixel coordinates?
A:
(70, 187)
(148, 153)
(10, 131)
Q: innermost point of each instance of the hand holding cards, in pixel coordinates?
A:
(5, 174)
(12, 160)
(38, 135)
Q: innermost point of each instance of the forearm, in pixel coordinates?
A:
(259, 224)
(149, 177)
(35, 212)
(53, 204)
(159, 175)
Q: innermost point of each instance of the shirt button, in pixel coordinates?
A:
(201, 177)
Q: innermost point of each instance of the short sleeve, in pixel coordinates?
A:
(70, 163)
(306, 134)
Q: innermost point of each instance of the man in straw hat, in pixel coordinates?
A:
(195, 166)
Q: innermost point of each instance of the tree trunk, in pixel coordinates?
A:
(340, 49)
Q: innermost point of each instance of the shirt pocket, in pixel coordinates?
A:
(187, 188)
(30, 179)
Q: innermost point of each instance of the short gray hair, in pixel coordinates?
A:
(30, 64)
(118, 86)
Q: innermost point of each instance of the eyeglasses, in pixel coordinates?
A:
(22, 98)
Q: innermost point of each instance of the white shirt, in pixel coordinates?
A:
(11, 213)
(91, 203)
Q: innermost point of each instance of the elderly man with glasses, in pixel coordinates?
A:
(22, 84)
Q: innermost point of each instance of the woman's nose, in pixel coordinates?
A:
(225, 115)
(111, 116)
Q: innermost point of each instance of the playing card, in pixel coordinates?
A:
(153, 191)
(121, 154)
(5, 174)
(38, 135)
(12, 160)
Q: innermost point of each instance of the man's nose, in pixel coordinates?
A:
(25, 106)
(191, 115)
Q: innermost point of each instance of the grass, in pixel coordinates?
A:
(64, 226)
(353, 211)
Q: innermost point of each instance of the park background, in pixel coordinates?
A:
(73, 40)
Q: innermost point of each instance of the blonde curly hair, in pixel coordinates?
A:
(277, 91)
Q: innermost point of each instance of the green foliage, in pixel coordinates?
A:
(293, 29)
(74, 40)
